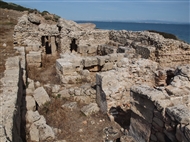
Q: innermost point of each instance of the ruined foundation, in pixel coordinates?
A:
(116, 72)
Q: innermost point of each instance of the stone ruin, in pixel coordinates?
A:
(138, 71)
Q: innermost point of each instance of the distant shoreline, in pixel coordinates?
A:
(180, 31)
(141, 22)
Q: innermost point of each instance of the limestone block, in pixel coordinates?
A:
(9, 81)
(90, 109)
(32, 116)
(46, 133)
(162, 104)
(120, 56)
(39, 122)
(12, 62)
(55, 88)
(34, 18)
(37, 84)
(38, 65)
(34, 57)
(41, 96)
(82, 99)
(145, 113)
(11, 72)
(30, 84)
(121, 49)
(78, 91)
(82, 49)
(102, 60)
(106, 49)
(92, 49)
(148, 92)
(64, 93)
(90, 61)
(34, 133)
(66, 68)
(107, 66)
(30, 103)
(171, 90)
(53, 45)
(142, 134)
(184, 71)
(113, 57)
(70, 105)
(180, 113)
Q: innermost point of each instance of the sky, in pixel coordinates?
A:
(114, 10)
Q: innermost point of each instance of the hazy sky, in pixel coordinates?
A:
(122, 10)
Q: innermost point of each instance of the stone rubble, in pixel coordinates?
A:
(140, 71)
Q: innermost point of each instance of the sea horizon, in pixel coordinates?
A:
(180, 30)
(140, 21)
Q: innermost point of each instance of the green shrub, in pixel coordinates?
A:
(44, 13)
(12, 6)
(56, 17)
(46, 17)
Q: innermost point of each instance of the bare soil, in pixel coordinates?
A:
(8, 19)
(74, 125)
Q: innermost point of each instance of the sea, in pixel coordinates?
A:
(181, 31)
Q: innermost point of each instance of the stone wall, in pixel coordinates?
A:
(167, 52)
(159, 114)
(11, 98)
(113, 87)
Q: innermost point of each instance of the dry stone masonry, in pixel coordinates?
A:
(138, 71)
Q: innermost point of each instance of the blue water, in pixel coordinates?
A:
(182, 31)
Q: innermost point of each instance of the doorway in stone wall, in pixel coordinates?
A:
(47, 44)
(73, 46)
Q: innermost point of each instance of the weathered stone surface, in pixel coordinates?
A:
(41, 96)
(55, 88)
(184, 71)
(82, 99)
(139, 129)
(107, 66)
(32, 116)
(64, 93)
(46, 133)
(30, 103)
(180, 113)
(70, 105)
(187, 132)
(149, 93)
(90, 109)
(158, 121)
(90, 61)
(34, 133)
(33, 18)
(34, 59)
(179, 134)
